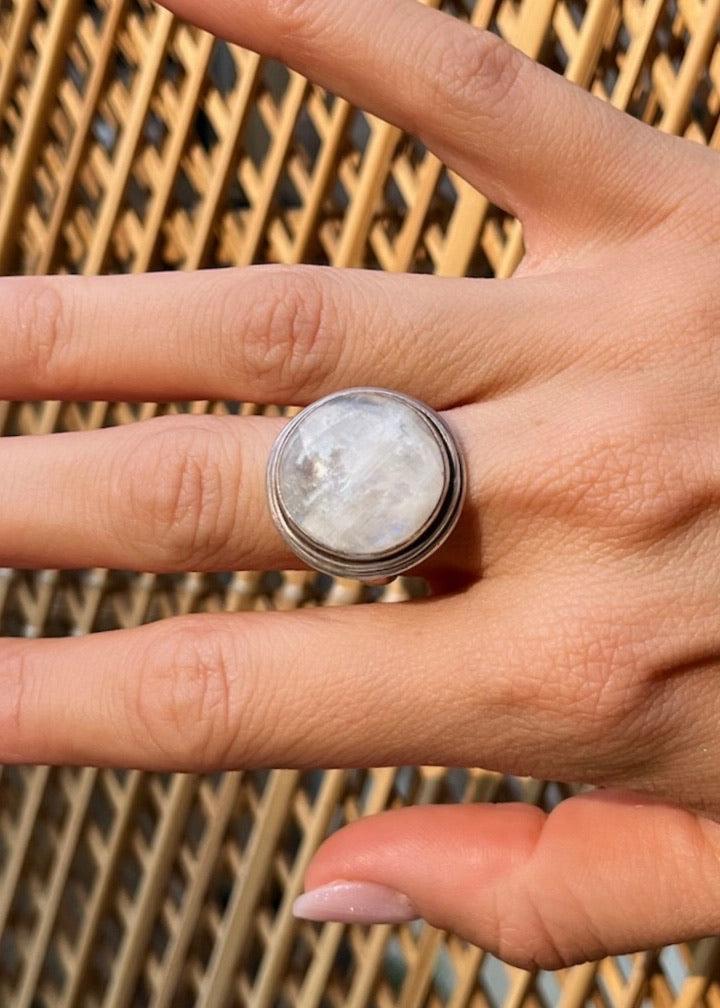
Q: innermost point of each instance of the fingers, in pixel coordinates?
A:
(510, 674)
(467, 95)
(601, 874)
(189, 493)
(273, 334)
(174, 493)
(474, 679)
(342, 687)
(381, 685)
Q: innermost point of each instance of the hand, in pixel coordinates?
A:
(585, 644)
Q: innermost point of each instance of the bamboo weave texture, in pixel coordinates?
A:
(130, 141)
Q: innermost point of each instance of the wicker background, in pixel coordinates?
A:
(129, 141)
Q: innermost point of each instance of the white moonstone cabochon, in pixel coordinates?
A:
(361, 474)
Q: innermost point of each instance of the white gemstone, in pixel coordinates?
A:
(362, 473)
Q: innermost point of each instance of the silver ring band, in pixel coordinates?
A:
(365, 483)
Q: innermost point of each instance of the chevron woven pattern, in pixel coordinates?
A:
(130, 141)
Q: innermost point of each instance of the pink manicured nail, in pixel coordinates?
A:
(355, 903)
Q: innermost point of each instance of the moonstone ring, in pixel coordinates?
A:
(365, 483)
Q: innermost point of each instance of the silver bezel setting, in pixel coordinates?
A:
(377, 567)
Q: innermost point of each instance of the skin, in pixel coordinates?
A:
(575, 629)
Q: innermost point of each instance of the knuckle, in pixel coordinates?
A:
(620, 476)
(471, 64)
(586, 682)
(177, 492)
(534, 942)
(682, 303)
(694, 308)
(182, 702)
(621, 459)
(608, 696)
(540, 933)
(600, 649)
(650, 477)
(43, 329)
(287, 338)
(296, 19)
(613, 698)
(693, 205)
(549, 933)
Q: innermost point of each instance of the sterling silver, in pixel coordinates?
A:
(385, 564)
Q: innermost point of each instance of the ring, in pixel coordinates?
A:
(365, 483)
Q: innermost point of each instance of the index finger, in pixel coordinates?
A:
(504, 675)
(366, 685)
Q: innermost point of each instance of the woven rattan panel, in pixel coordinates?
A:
(129, 141)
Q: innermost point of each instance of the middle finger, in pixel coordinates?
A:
(188, 493)
(172, 493)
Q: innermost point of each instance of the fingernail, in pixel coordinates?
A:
(355, 903)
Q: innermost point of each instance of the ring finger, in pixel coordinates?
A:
(278, 334)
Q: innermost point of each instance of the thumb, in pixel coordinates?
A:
(603, 873)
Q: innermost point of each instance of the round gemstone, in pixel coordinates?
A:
(361, 473)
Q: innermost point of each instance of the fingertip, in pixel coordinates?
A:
(353, 902)
(409, 846)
